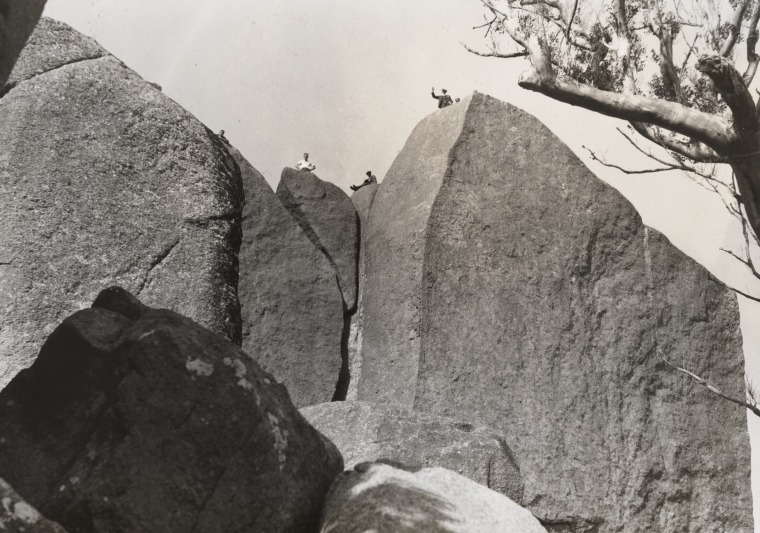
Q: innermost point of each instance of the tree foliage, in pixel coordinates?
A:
(678, 71)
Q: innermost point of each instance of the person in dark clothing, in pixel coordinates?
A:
(444, 100)
(370, 179)
(222, 137)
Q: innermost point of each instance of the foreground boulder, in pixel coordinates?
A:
(365, 432)
(387, 499)
(328, 217)
(290, 301)
(362, 200)
(17, 20)
(17, 516)
(138, 419)
(508, 286)
(107, 181)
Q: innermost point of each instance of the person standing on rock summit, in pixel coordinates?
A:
(304, 164)
(444, 100)
(370, 179)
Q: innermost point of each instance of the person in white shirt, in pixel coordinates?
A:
(304, 164)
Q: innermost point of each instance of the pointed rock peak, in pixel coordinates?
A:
(329, 218)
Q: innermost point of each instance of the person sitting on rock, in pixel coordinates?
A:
(222, 137)
(370, 179)
(305, 164)
(444, 100)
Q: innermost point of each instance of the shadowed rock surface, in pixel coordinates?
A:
(17, 21)
(523, 294)
(17, 516)
(327, 216)
(290, 301)
(362, 200)
(107, 181)
(364, 432)
(138, 419)
(386, 499)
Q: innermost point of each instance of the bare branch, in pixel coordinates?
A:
(735, 29)
(752, 37)
(606, 163)
(492, 53)
(694, 150)
(572, 19)
(712, 388)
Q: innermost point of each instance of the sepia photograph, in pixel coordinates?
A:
(463, 266)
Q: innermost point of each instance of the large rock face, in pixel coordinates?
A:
(136, 419)
(16, 515)
(17, 20)
(365, 432)
(291, 304)
(328, 217)
(105, 180)
(385, 499)
(507, 284)
(362, 200)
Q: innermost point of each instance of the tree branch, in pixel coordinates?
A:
(752, 36)
(666, 168)
(712, 388)
(735, 29)
(703, 127)
(492, 53)
(731, 87)
(694, 150)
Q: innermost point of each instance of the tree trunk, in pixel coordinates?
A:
(747, 171)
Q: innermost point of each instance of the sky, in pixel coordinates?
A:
(347, 81)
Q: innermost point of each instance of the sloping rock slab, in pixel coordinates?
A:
(365, 432)
(104, 180)
(17, 516)
(328, 217)
(362, 200)
(17, 21)
(137, 419)
(525, 295)
(53, 45)
(386, 499)
(290, 302)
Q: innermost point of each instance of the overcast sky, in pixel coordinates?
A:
(347, 81)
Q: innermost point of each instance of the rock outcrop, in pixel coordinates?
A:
(364, 432)
(138, 419)
(508, 286)
(107, 181)
(291, 304)
(327, 216)
(362, 200)
(17, 21)
(17, 516)
(383, 498)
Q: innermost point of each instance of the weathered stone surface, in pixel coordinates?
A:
(104, 180)
(17, 516)
(53, 45)
(393, 261)
(290, 301)
(365, 432)
(146, 421)
(543, 306)
(328, 217)
(381, 498)
(362, 200)
(17, 21)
